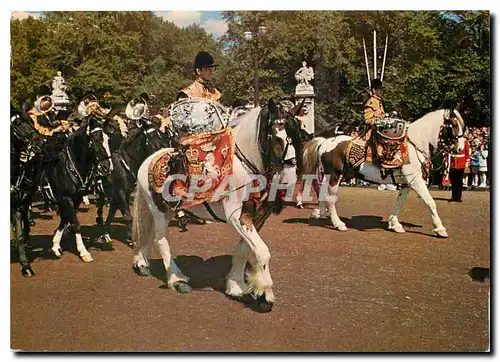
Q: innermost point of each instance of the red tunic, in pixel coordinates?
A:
(459, 159)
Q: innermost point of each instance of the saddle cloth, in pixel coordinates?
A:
(204, 155)
(389, 153)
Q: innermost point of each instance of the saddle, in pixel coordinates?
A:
(199, 157)
(387, 148)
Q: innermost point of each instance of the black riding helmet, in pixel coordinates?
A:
(203, 60)
(377, 83)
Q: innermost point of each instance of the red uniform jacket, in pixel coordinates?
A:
(459, 159)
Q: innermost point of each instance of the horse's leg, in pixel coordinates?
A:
(101, 201)
(70, 209)
(259, 280)
(64, 220)
(122, 203)
(175, 279)
(331, 200)
(31, 219)
(21, 240)
(235, 281)
(319, 211)
(419, 186)
(394, 223)
(113, 208)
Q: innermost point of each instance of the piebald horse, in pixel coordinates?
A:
(443, 129)
(257, 147)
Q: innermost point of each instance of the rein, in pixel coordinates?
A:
(83, 185)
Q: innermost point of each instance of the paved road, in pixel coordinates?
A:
(365, 289)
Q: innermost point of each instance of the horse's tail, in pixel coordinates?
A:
(143, 223)
(310, 155)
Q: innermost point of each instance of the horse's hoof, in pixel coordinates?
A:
(398, 230)
(299, 206)
(183, 221)
(86, 258)
(55, 254)
(315, 215)
(28, 272)
(140, 270)
(442, 234)
(260, 304)
(32, 223)
(99, 221)
(342, 228)
(131, 244)
(182, 287)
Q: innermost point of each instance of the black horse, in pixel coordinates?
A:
(127, 155)
(71, 173)
(26, 146)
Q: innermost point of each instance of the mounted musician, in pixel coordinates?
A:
(190, 118)
(137, 112)
(44, 115)
(383, 138)
(374, 108)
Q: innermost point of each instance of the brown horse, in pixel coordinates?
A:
(443, 129)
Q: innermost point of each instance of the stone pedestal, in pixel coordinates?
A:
(307, 113)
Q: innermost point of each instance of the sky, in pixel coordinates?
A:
(211, 21)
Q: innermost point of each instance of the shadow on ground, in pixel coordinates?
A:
(203, 274)
(360, 223)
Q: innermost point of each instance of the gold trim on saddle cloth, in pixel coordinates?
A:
(158, 168)
(356, 153)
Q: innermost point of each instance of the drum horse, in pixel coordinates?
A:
(257, 151)
(442, 129)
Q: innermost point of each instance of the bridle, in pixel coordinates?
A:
(288, 141)
(97, 160)
(25, 137)
(446, 142)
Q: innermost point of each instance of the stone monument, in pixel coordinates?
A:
(305, 91)
(59, 96)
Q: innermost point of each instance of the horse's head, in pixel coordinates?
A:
(451, 135)
(152, 137)
(25, 134)
(98, 141)
(284, 133)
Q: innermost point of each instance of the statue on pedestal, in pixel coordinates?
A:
(303, 76)
(59, 96)
(304, 92)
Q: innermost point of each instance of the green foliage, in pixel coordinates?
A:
(123, 52)
(433, 57)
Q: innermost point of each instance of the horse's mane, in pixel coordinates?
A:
(420, 131)
(263, 128)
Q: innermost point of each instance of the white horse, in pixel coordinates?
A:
(441, 128)
(252, 133)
